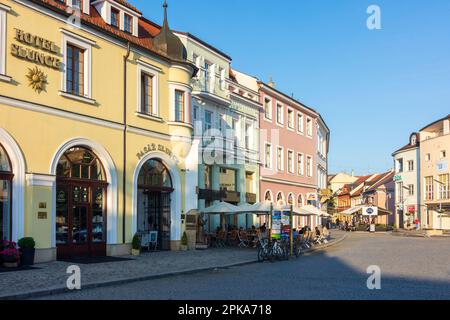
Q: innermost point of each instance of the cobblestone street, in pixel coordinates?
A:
(411, 268)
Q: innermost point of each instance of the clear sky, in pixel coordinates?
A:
(373, 87)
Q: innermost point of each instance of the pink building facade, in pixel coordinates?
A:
(288, 144)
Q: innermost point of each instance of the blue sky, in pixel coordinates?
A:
(373, 88)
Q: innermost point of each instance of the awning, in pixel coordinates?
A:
(351, 211)
(221, 208)
(260, 208)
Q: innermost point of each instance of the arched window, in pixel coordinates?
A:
(280, 196)
(268, 196)
(300, 201)
(154, 175)
(80, 163)
(6, 176)
(290, 199)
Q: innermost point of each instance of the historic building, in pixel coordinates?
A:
(289, 150)
(435, 174)
(95, 127)
(323, 142)
(225, 113)
(407, 183)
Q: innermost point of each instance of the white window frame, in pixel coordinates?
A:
(301, 172)
(308, 133)
(270, 109)
(187, 94)
(3, 16)
(280, 168)
(309, 168)
(143, 67)
(279, 123)
(86, 45)
(289, 109)
(86, 5)
(300, 124)
(409, 167)
(249, 134)
(267, 144)
(290, 151)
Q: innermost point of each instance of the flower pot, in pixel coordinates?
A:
(135, 252)
(28, 256)
(10, 262)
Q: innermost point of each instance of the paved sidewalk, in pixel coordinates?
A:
(51, 278)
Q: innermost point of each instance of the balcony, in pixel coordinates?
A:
(250, 198)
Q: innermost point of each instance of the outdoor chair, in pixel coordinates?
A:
(243, 240)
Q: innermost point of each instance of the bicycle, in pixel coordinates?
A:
(277, 251)
(264, 251)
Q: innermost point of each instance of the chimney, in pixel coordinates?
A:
(271, 83)
(353, 173)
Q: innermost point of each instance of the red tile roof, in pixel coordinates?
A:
(147, 29)
(129, 6)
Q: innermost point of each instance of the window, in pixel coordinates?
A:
(290, 119)
(207, 75)
(268, 155)
(268, 196)
(309, 128)
(147, 94)
(115, 17)
(443, 154)
(399, 192)
(247, 135)
(444, 187)
(291, 161)
(300, 127)
(428, 157)
(410, 165)
(77, 3)
(309, 166)
(279, 114)
(411, 190)
(280, 159)
(128, 23)
(208, 120)
(147, 89)
(179, 106)
(268, 108)
(399, 165)
(290, 200)
(429, 190)
(280, 196)
(300, 166)
(75, 70)
(227, 179)
(300, 201)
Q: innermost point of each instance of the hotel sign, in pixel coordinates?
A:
(42, 58)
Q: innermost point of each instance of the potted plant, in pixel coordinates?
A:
(27, 248)
(184, 242)
(136, 245)
(10, 254)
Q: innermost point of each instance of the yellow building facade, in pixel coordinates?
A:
(95, 128)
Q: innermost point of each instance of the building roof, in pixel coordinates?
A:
(383, 179)
(435, 122)
(128, 5)
(407, 147)
(148, 30)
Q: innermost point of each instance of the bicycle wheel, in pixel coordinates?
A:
(261, 254)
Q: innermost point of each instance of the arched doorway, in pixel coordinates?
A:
(154, 188)
(81, 221)
(6, 177)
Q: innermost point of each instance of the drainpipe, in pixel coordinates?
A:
(124, 175)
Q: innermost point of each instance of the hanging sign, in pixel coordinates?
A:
(370, 211)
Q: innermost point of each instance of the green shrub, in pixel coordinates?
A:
(26, 243)
(184, 239)
(136, 242)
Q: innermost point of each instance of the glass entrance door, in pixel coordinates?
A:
(158, 217)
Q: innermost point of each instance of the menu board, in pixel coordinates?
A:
(285, 224)
(276, 225)
(281, 224)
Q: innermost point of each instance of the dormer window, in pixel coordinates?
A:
(413, 140)
(115, 18)
(128, 23)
